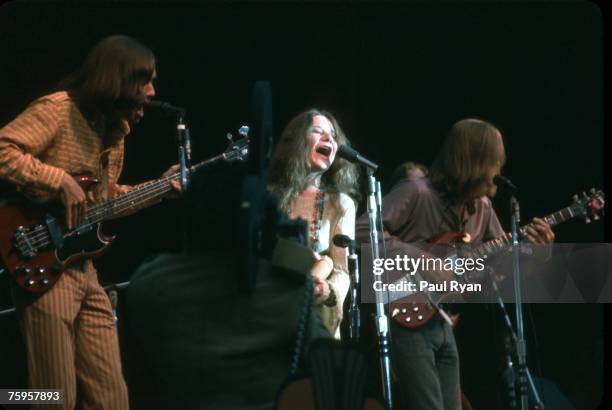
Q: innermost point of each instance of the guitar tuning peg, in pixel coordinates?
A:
(575, 198)
(584, 195)
(595, 217)
(230, 137)
(592, 191)
(587, 220)
(244, 131)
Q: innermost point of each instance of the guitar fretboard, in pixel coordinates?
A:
(496, 245)
(142, 194)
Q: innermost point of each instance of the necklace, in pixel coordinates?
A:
(317, 219)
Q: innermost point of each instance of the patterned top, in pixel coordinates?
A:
(337, 219)
(52, 138)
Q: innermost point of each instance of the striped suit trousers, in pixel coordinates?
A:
(71, 338)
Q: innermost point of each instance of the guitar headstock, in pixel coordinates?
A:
(238, 150)
(590, 206)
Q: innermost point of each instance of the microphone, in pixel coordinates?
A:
(166, 108)
(349, 154)
(343, 241)
(502, 180)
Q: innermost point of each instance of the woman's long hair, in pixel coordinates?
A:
(472, 148)
(290, 163)
(110, 81)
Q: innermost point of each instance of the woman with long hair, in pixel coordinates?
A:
(321, 189)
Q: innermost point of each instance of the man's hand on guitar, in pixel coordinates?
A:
(176, 185)
(539, 232)
(74, 200)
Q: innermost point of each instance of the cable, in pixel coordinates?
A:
(302, 330)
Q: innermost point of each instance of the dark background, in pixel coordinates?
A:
(396, 75)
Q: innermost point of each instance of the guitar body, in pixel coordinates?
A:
(415, 310)
(35, 246)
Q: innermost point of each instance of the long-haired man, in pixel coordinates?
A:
(454, 196)
(69, 330)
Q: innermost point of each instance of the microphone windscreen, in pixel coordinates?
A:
(166, 108)
(348, 153)
(502, 180)
(156, 105)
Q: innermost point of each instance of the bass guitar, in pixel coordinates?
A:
(35, 245)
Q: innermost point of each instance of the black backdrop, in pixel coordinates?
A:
(396, 74)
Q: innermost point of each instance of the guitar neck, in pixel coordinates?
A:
(496, 245)
(143, 196)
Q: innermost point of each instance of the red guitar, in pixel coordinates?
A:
(35, 245)
(417, 309)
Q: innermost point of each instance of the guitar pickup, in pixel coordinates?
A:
(55, 231)
(22, 243)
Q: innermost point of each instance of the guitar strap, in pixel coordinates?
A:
(455, 219)
(104, 175)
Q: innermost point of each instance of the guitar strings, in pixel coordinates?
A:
(39, 237)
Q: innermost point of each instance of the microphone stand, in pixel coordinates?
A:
(353, 313)
(510, 372)
(184, 152)
(184, 155)
(380, 220)
(521, 348)
(382, 322)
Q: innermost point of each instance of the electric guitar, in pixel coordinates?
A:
(418, 308)
(35, 245)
